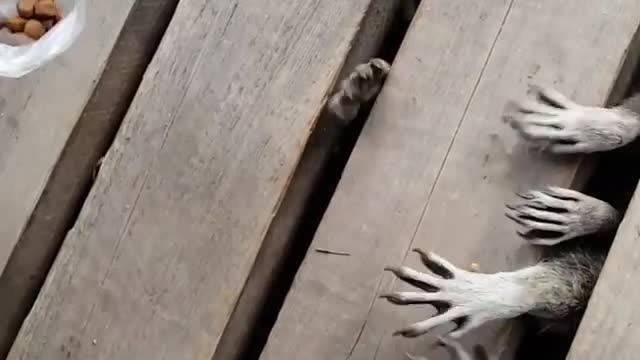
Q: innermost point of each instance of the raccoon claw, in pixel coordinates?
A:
(550, 121)
(554, 215)
(360, 86)
(466, 298)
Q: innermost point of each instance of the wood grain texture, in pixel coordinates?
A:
(283, 238)
(71, 178)
(610, 327)
(162, 248)
(434, 166)
(39, 111)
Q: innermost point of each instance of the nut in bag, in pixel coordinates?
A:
(34, 32)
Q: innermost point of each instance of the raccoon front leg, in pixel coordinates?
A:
(554, 215)
(363, 84)
(554, 288)
(551, 121)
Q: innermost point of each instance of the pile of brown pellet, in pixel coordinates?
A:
(34, 19)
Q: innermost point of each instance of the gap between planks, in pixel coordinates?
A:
(71, 177)
(298, 213)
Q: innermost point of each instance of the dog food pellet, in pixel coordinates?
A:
(34, 19)
(26, 8)
(16, 23)
(34, 29)
(46, 9)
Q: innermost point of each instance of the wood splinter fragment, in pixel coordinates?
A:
(331, 252)
(96, 168)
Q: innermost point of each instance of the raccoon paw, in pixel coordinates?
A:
(359, 87)
(466, 298)
(551, 121)
(554, 215)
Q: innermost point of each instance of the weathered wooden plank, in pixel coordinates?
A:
(609, 328)
(38, 112)
(161, 250)
(71, 178)
(282, 238)
(434, 165)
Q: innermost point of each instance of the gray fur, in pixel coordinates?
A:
(566, 286)
(554, 288)
(554, 215)
(551, 121)
(362, 85)
(632, 104)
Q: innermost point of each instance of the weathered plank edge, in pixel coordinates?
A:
(590, 333)
(245, 328)
(71, 178)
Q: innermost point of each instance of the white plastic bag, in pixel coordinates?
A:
(17, 61)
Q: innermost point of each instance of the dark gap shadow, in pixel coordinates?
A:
(319, 201)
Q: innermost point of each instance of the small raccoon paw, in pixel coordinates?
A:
(466, 298)
(554, 215)
(359, 87)
(551, 121)
(456, 351)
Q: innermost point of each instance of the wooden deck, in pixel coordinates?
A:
(161, 251)
(435, 165)
(55, 124)
(217, 139)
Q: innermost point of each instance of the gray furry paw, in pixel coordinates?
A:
(554, 215)
(456, 351)
(466, 298)
(359, 87)
(550, 121)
